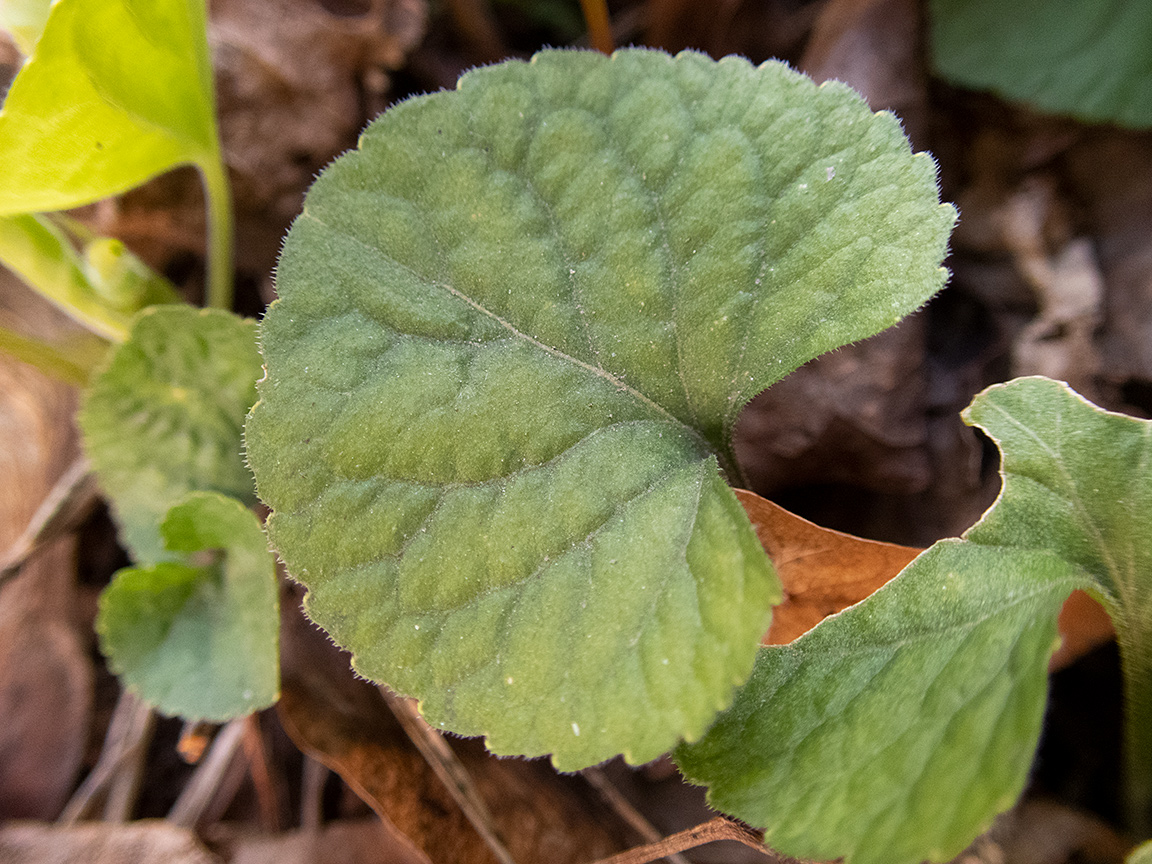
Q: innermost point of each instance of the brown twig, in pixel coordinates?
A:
(266, 797)
(314, 777)
(197, 794)
(599, 25)
(720, 828)
(125, 746)
(624, 809)
(451, 772)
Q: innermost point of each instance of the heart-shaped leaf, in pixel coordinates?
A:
(896, 730)
(514, 332)
(199, 638)
(164, 418)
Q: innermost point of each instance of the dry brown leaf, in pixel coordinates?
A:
(344, 723)
(1109, 172)
(146, 842)
(1084, 625)
(822, 571)
(293, 76)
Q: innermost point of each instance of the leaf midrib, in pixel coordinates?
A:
(598, 371)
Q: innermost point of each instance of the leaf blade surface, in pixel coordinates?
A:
(199, 640)
(115, 93)
(165, 417)
(515, 328)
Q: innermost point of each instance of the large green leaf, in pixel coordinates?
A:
(896, 730)
(199, 637)
(117, 91)
(1092, 60)
(164, 418)
(514, 332)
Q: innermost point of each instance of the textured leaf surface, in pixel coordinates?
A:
(164, 419)
(117, 91)
(199, 638)
(896, 730)
(514, 331)
(1091, 60)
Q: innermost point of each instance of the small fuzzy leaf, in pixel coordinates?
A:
(199, 639)
(1078, 481)
(515, 330)
(164, 418)
(1090, 60)
(116, 92)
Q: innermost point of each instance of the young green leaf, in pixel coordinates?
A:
(116, 92)
(1090, 60)
(164, 419)
(101, 289)
(514, 332)
(199, 638)
(896, 730)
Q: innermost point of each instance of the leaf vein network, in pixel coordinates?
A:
(583, 542)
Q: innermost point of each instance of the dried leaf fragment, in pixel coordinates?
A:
(822, 571)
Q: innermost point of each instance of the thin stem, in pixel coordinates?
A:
(37, 251)
(624, 809)
(452, 773)
(218, 197)
(1136, 664)
(720, 828)
(44, 357)
(599, 25)
(198, 793)
(127, 739)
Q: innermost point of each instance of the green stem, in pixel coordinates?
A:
(1136, 664)
(39, 253)
(218, 196)
(44, 357)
